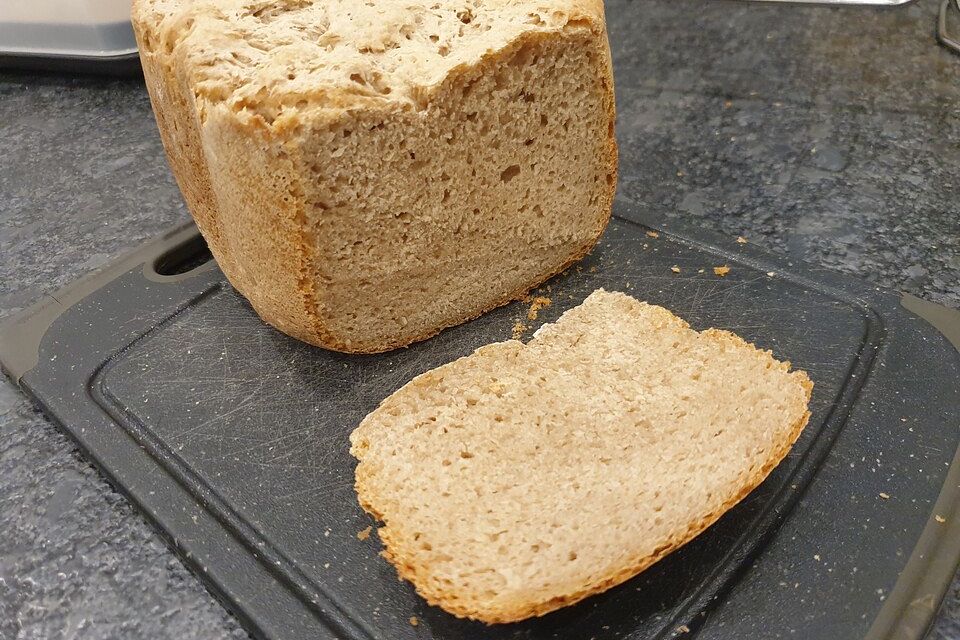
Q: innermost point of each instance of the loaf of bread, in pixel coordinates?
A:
(368, 173)
(526, 477)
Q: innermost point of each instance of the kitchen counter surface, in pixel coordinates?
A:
(832, 135)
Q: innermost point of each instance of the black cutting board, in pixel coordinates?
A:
(232, 439)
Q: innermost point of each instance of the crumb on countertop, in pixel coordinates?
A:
(683, 629)
(741, 240)
(540, 302)
(885, 496)
(518, 329)
(653, 234)
(675, 269)
(770, 274)
(939, 518)
(363, 535)
(414, 621)
(721, 271)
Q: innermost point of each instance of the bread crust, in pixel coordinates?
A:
(520, 609)
(254, 223)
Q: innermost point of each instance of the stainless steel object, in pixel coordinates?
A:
(67, 35)
(943, 36)
(876, 3)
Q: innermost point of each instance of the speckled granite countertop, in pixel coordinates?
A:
(832, 135)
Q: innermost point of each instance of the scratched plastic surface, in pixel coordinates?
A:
(260, 422)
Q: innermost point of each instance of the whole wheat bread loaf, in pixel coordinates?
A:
(368, 173)
(525, 477)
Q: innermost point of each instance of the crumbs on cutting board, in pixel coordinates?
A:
(721, 271)
(540, 302)
(363, 535)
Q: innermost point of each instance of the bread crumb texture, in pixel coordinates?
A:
(367, 173)
(525, 477)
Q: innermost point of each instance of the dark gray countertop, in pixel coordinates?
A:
(830, 134)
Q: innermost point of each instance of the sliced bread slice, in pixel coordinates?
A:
(526, 477)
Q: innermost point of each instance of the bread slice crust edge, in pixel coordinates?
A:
(519, 608)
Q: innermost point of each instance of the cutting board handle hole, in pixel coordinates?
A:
(183, 258)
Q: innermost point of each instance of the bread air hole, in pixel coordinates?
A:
(510, 173)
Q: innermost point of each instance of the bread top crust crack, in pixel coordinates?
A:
(279, 57)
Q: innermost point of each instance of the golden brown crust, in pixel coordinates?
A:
(179, 126)
(520, 610)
